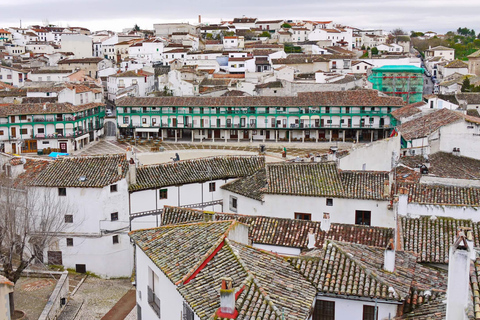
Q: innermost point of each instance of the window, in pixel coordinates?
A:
(211, 187)
(153, 289)
(69, 242)
(329, 202)
(115, 239)
(144, 121)
(187, 312)
(62, 192)
(125, 120)
(114, 216)
(233, 203)
(68, 218)
(23, 131)
(23, 117)
(362, 217)
(324, 310)
(369, 313)
(113, 188)
(303, 216)
(163, 194)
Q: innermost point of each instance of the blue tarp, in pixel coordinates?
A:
(56, 154)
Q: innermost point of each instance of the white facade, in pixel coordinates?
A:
(93, 230)
(148, 275)
(50, 76)
(188, 194)
(353, 309)
(14, 77)
(148, 51)
(333, 35)
(143, 84)
(79, 44)
(342, 210)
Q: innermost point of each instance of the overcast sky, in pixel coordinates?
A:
(420, 15)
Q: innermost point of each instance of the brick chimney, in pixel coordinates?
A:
(227, 297)
(119, 169)
(325, 225)
(389, 257)
(386, 188)
(458, 278)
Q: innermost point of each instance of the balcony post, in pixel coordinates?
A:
(358, 136)
(175, 135)
(330, 136)
(316, 136)
(343, 135)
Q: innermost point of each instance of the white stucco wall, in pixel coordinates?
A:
(171, 302)
(463, 135)
(285, 206)
(376, 156)
(92, 230)
(353, 309)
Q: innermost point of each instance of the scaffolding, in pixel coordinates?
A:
(399, 81)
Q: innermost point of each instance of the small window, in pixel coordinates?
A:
(211, 187)
(23, 131)
(41, 130)
(113, 188)
(329, 202)
(69, 242)
(363, 217)
(163, 194)
(115, 239)
(68, 218)
(369, 313)
(114, 216)
(233, 203)
(324, 310)
(62, 192)
(303, 216)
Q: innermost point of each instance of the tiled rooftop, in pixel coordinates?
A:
(357, 270)
(407, 111)
(250, 186)
(196, 170)
(44, 108)
(264, 282)
(329, 98)
(446, 165)
(284, 232)
(425, 125)
(442, 195)
(430, 238)
(99, 171)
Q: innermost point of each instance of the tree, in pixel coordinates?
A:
(466, 85)
(374, 51)
(30, 221)
(286, 26)
(136, 27)
(265, 34)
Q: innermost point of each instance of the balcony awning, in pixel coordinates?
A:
(59, 126)
(304, 117)
(147, 130)
(69, 126)
(315, 117)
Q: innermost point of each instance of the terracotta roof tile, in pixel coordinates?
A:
(99, 171)
(442, 195)
(196, 170)
(425, 125)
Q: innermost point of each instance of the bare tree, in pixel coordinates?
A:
(30, 219)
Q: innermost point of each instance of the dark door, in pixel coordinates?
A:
(382, 122)
(55, 257)
(80, 268)
(245, 134)
(322, 123)
(14, 148)
(216, 134)
(63, 147)
(209, 134)
(317, 123)
(267, 134)
(14, 132)
(174, 122)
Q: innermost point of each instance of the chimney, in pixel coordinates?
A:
(458, 278)
(389, 257)
(199, 18)
(402, 202)
(325, 225)
(227, 297)
(311, 239)
(132, 170)
(119, 169)
(469, 237)
(386, 188)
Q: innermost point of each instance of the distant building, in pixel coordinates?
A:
(399, 81)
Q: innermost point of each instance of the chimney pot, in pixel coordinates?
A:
(311, 239)
(119, 169)
(325, 225)
(389, 257)
(227, 296)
